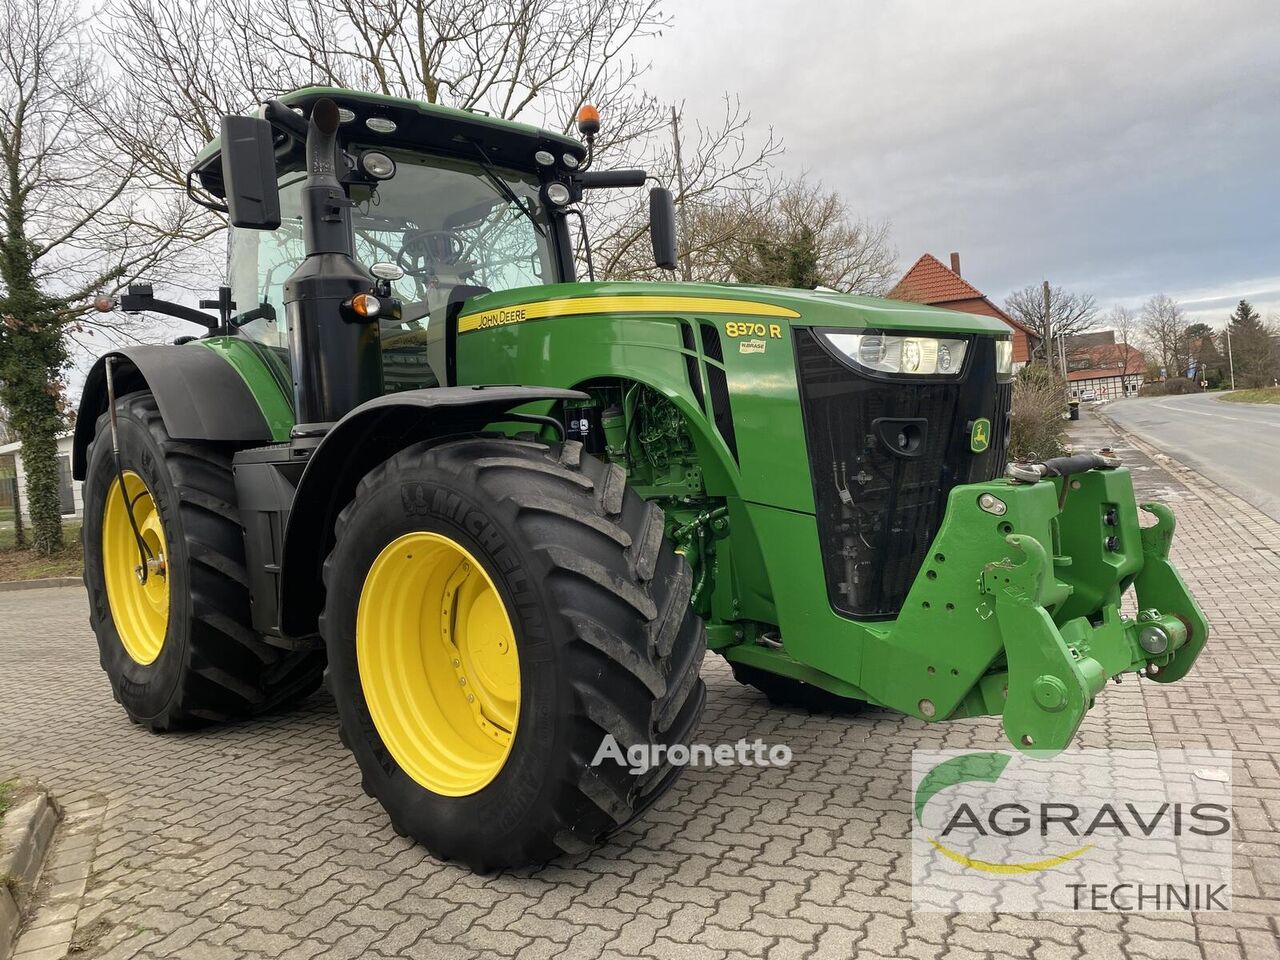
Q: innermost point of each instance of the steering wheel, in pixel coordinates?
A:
(424, 250)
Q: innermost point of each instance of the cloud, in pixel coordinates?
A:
(1122, 149)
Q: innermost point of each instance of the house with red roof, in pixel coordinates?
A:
(929, 281)
(1101, 369)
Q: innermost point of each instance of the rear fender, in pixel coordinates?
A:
(200, 395)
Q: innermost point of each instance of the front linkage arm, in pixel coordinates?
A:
(1161, 588)
(1049, 684)
(1056, 669)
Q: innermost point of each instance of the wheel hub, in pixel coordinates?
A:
(438, 663)
(139, 604)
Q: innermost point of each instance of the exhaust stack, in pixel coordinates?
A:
(337, 362)
(326, 217)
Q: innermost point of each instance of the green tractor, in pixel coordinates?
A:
(508, 510)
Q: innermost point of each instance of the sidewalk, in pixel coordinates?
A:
(1229, 553)
(255, 839)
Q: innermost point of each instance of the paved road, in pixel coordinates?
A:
(1236, 444)
(255, 840)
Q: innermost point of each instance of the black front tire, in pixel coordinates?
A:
(599, 605)
(212, 665)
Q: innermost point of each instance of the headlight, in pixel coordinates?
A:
(894, 353)
(557, 193)
(1004, 358)
(378, 165)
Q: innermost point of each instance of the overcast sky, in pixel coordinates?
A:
(1117, 148)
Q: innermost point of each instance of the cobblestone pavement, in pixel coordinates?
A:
(255, 839)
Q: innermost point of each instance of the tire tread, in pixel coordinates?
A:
(632, 646)
(230, 671)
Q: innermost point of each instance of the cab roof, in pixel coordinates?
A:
(421, 127)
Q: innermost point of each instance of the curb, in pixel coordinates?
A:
(24, 839)
(40, 583)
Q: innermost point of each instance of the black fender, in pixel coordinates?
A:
(370, 434)
(200, 396)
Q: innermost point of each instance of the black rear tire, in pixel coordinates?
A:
(212, 665)
(599, 606)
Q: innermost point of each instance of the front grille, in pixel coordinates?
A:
(878, 512)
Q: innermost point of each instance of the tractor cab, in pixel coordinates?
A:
(448, 203)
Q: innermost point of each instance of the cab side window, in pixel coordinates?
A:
(259, 263)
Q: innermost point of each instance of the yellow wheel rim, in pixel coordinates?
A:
(140, 610)
(438, 663)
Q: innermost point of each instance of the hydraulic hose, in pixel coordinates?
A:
(1063, 466)
(144, 552)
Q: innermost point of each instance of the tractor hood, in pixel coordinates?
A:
(810, 308)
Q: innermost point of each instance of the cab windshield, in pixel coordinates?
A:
(444, 222)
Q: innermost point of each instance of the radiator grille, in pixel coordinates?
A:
(878, 512)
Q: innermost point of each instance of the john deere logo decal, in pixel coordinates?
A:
(980, 435)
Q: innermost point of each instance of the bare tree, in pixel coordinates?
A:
(1069, 314)
(807, 237)
(539, 60)
(74, 224)
(1164, 326)
(531, 60)
(726, 188)
(1125, 324)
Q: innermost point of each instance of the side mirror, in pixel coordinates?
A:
(249, 173)
(662, 227)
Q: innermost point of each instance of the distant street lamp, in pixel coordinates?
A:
(1231, 365)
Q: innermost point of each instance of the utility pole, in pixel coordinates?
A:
(1231, 364)
(1048, 330)
(686, 270)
